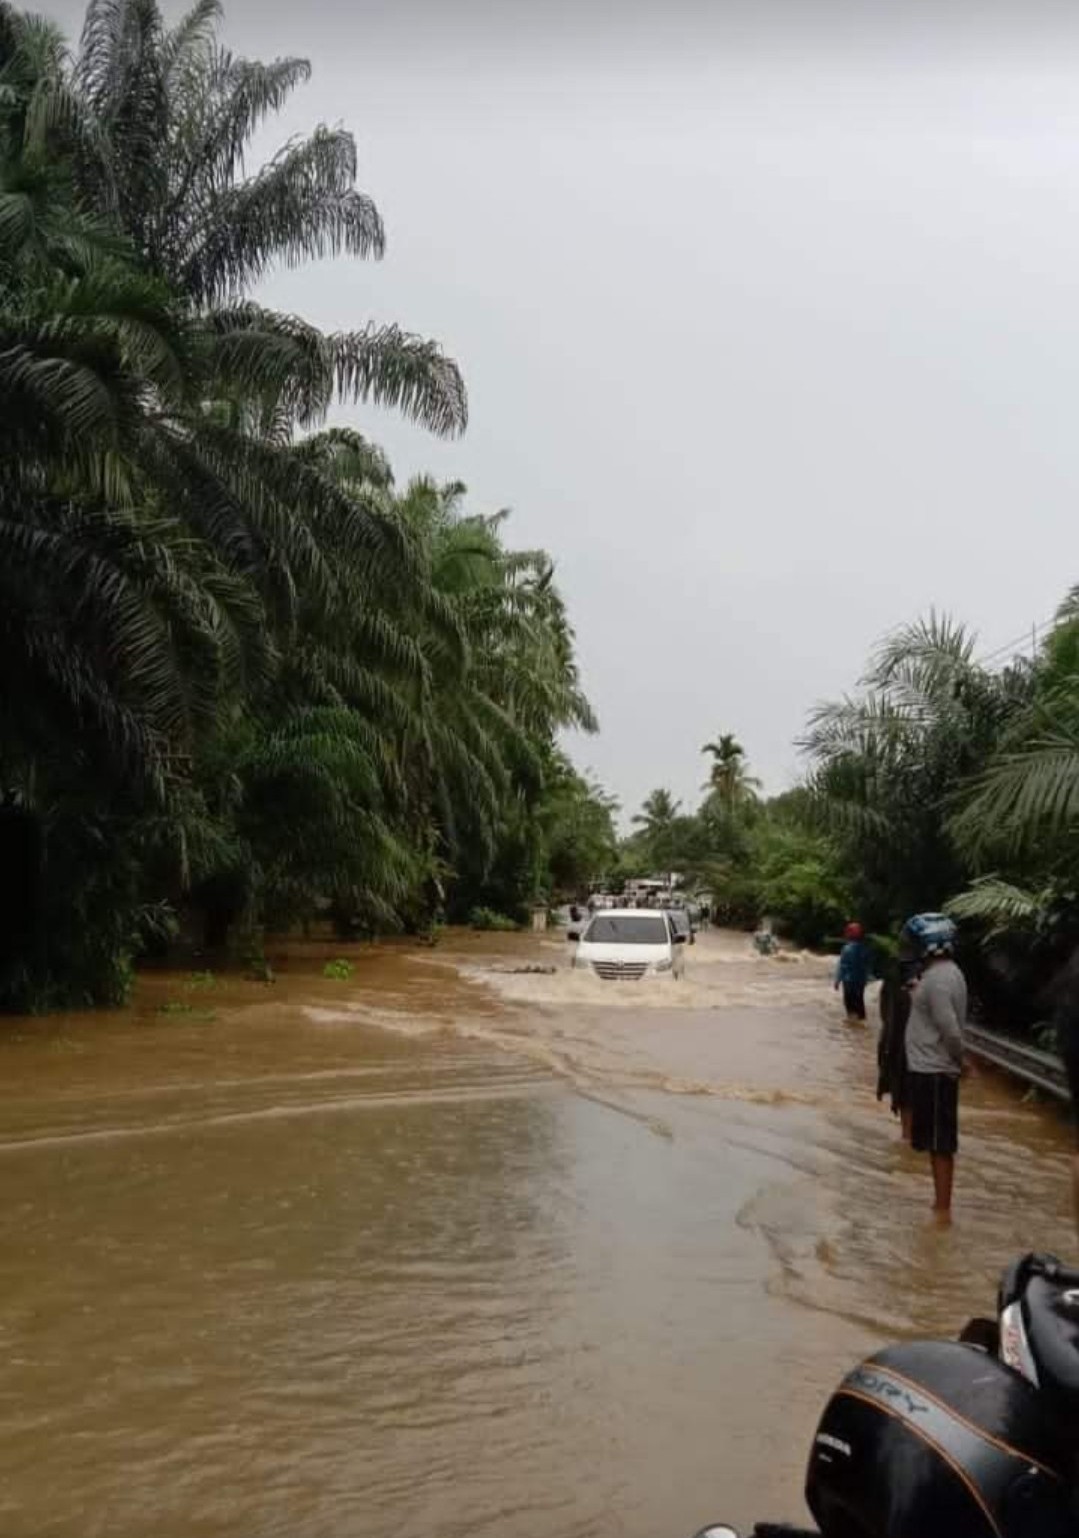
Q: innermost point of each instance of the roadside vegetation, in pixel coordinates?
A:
(945, 781)
(755, 858)
(248, 679)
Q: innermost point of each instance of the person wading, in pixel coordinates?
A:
(935, 1056)
(852, 972)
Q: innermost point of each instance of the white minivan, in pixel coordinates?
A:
(626, 944)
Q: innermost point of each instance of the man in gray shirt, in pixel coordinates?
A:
(935, 1060)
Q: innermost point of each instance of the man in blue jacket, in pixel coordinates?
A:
(853, 972)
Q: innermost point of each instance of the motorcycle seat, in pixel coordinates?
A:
(1052, 1318)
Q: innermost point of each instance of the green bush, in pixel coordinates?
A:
(798, 883)
(188, 1011)
(487, 918)
(338, 971)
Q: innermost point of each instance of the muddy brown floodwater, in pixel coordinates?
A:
(448, 1249)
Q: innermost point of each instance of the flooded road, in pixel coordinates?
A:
(453, 1249)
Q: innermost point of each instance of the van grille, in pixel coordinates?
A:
(620, 971)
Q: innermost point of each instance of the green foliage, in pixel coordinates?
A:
(999, 906)
(889, 766)
(949, 784)
(487, 918)
(576, 817)
(798, 883)
(753, 858)
(244, 675)
(180, 1007)
(339, 970)
(729, 784)
(659, 824)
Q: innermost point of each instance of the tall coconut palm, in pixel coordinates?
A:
(729, 780)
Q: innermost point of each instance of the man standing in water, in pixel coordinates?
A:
(935, 1058)
(852, 972)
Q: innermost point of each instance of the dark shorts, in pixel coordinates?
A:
(854, 1000)
(934, 1111)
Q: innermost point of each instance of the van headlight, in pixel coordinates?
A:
(663, 966)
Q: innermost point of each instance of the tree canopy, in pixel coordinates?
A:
(248, 680)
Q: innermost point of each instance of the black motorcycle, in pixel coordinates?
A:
(974, 1438)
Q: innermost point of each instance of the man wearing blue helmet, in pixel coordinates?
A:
(935, 1055)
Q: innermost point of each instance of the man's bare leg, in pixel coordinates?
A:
(943, 1174)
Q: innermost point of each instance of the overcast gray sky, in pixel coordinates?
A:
(768, 313)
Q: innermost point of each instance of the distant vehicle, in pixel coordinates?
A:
(628, 944)
(682, 924)
(646, 890)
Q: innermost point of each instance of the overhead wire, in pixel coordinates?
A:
(1018, 644)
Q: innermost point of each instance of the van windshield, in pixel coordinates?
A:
(631, 929)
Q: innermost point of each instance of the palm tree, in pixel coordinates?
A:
(236, 661)
(114, 625)
(1025, 801)
(729, 781)
(657, 821)
(501, 682)
(164, 543)
(147, 456)
(890, 765)
(163, 132)
(657, 813)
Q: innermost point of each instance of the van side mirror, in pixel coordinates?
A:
(679, 939)
(573, 934)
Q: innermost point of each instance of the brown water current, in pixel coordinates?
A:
(456, 1250)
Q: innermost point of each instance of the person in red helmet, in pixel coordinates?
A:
(853, 972)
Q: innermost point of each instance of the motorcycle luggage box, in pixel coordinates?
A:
(933, 1439)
